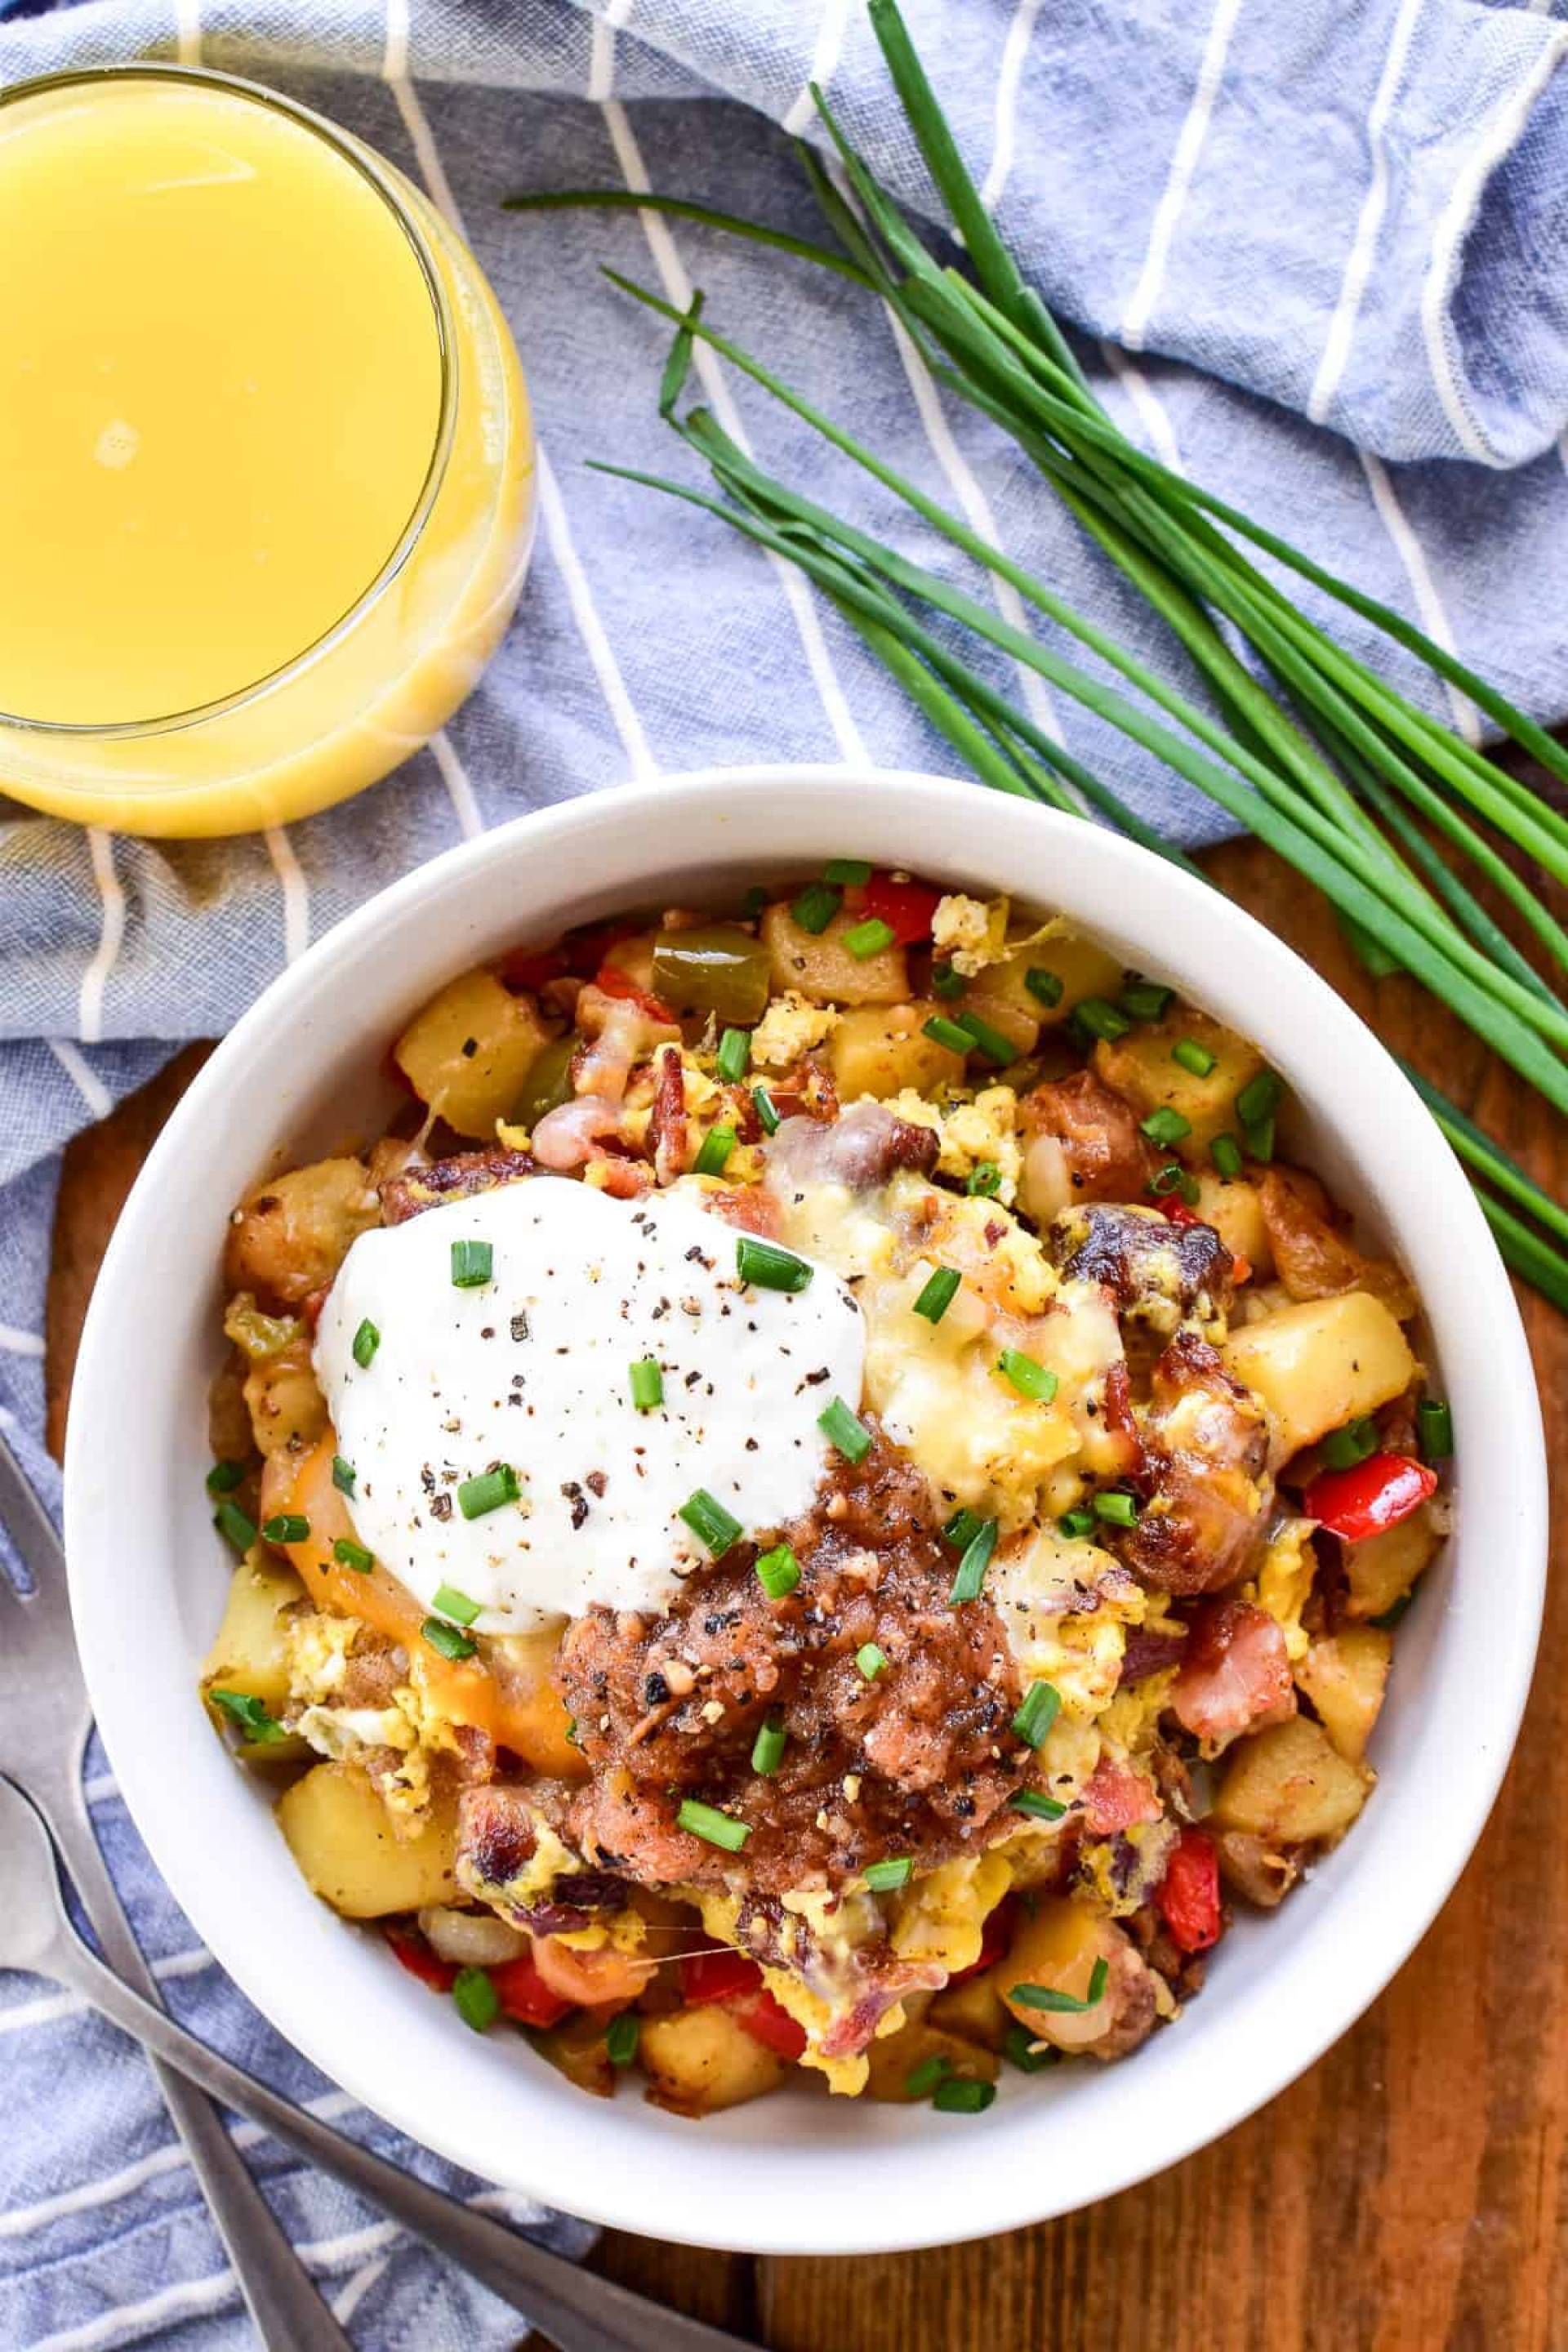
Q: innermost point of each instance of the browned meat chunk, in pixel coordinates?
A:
(1207, 1452)
(1235, 1676)
(1159, 1271)
(1129, 2003)
(454, 1178)
(861, 1148)
(1313, 1257)
(915, 1762)
(1106, 1157)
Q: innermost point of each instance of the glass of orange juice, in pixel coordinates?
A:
(266, 460)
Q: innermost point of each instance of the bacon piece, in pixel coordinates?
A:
(1106, 1157)
(1114, 1797)
(749, 1207)
(1156, 1269)
(418, 1189)
(622, 1032)
(1235, 1676)
(667, 1125)
(1207, 1453)
(567, 1137)
(861, 1148)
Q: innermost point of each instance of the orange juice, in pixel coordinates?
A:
(265, 459)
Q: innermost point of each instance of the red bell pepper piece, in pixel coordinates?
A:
(1180, 1214)
(717, 1976)
(994, 1937)
(523, 1993)
(1189, 1893)
(532, 967)
(420, 1961)
(1373, 1495)
(616, 982)
(908, 908)
(769, 2022)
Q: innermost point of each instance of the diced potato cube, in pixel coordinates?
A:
(1056, 1947)
(469, 1051)
(288, 1411)
(1345, 1677)
(699, 2061)
(1233, 1207)
(1383, 1569)
(1082, 966)
(1322, 1363)
(1140, 1065)
(880, 1050)
(894, 2057)
(1290, 1786)
(818, 965)
(343, 1838)
(289, 1236)
(972, 2010)
(250, 1654)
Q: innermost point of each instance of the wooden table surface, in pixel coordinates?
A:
(1409, 2192)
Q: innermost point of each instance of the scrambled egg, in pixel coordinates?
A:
(969, 932)
(971, 1133)
(789, 1028)
(1284, 1581)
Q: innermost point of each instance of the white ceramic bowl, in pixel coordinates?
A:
(799, 2173)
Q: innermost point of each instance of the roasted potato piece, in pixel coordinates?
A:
(343, 1838)
(1140, 1067)
(1083, 968)
(880, 1050)
(1262, 1873)
(1383, 1569)
(1233, 1207)
(821, 968)
(1322, 1363)
(893, 2057)
(1290, 1786)
(250, 1654)
(972, 2011)
(469, 1051)
(1313, 1256)
(1345, 1675)
(699, 2061)
(288, 1411)
(289, 1236)
(1056, 1947)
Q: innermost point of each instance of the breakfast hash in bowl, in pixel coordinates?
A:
(822, 1501)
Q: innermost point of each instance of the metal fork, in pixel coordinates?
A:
(45, 1719)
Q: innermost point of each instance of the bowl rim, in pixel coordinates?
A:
(979, 2198)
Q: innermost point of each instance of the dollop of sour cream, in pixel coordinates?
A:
(532, 1370)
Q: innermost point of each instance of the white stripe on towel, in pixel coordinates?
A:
(87, 1082)
(296, 891)
(52, 2007)
(1015, 49)
(189, 31)
(1358, 262)
(1147, 405)
(824, 59)
(1418, 572)
(602, 54)
(459, 790)
(111, 936)
(20, 1343)
(1184, 163)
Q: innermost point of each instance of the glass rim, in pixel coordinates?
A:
(378, 178)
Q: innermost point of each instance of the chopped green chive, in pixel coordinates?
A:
(763, 1102)
(921, 2080)
(943, 1032)
(1255, 1107)
(971, 1577)
(1119, 1510)
(882, 1877)
(987, 1040)
(231, 1523)
(955, 2094)
(252, 1716)
(1036, 1803)
(1166, 1126)
(1076, 1525)
(717, 1146)
(1434, 1429)
(778, 1571)
(1045, 985)
(488, 1491)
(706, 1822)
(939, 1294)
(984, 1179)
(1226, 1153)
(343, 1475)
(473, 1264)
(354, 1555)
(287, 1528)
(1101, 1018)
(769, 1267)
(869, 938)
(1019, 2050)
(768, 1747)
(450, 1602)
(1042, 1705)
(945, 981)
(962, 1529)
(1145, 1000)
(1342, 1448)
(366, 1341)
(621, 2038)
(1174, 1177)
(1032, 1380)
(475, 1999)
(710, 1522)
(839, 1427)
(734, 1057)
(1046, 1996)
(853, 873)
(1193, 1056)
(647, 1383)
(870, 1660)
(816, 908)
(224, 1477)
(447, 1639)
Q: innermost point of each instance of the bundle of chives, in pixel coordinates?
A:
(1310, 750)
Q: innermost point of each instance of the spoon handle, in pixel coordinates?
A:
(581, 2311)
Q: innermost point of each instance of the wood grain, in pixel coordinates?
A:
(1409, 2192)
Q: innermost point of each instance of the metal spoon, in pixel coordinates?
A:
(581, 2311)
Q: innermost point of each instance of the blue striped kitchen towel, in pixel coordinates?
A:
(1315, 249)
